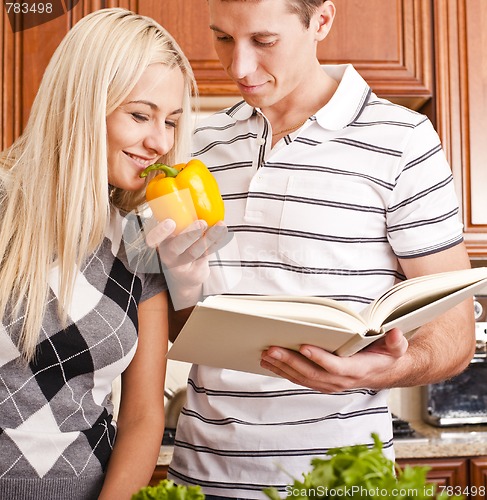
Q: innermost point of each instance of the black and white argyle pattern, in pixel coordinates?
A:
(55, 413)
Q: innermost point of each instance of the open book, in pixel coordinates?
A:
(231, 331)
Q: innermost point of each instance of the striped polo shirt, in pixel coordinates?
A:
(325, 212)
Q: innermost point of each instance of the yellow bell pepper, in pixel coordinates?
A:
(173, 193)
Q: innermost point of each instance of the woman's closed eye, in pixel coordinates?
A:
(139, 117)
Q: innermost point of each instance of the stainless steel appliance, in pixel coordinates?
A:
(462, 399)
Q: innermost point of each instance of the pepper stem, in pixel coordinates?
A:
(169, 171)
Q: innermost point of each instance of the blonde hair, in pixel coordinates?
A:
(54, 193)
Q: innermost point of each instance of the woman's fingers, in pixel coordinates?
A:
(193, 243)
(160, 233)
(182, 242)
(214, 238)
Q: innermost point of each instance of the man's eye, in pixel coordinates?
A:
(264, 44)
(139, 117)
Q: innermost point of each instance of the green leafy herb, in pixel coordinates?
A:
(360, 472)
(167, 490)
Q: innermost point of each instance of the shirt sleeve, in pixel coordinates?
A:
(144, 261)
(423, 211)
(152, 285)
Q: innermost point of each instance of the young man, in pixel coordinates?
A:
(330, 191)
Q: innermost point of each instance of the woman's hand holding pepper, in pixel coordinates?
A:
(185, 257)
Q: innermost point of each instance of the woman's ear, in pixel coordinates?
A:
(323, 19)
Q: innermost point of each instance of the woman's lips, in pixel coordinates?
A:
(140, 161)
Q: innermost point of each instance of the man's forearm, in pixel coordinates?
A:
(439, 350)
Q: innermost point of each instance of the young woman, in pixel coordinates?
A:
(74, 314)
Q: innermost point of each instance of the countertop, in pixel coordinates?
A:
(462, 441)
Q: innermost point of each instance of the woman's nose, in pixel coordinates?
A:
(160, 140)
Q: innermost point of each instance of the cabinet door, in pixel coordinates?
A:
(159, 474)
(461, 82)
(389, 41)
(443, 471)
(390, 44)
(478, 478)
(24, 56)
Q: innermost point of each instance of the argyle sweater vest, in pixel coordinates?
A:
(56, 428)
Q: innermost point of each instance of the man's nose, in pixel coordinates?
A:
(244, 61)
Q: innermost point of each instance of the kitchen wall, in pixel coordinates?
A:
(406, 403)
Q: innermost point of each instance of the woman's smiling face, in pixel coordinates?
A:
(142, 128)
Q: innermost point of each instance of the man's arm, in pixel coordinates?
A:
(444, 347)
(438, 350)
(177, 319)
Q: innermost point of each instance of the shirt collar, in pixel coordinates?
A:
(340, 111)
(240, 111)
(347, 102)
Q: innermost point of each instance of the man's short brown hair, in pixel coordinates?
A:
(305, 9)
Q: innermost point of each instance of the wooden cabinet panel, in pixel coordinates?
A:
(395, 57)
(11, 101)
(188, 23)
(478, 478)
(24, 56)
(38, 44)
(390, 44)
(443, 471)
(467, 475)
(159, 474)
(464, 474)
(461, 107)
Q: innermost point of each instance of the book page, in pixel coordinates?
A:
(413, 320)
(412, 294)
(314, 310)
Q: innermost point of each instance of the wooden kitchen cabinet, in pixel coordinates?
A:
(160, 473)
(426, 54)
(461, 107)
(478, 477)
(467, 475)
(443, 471)
(395, 57)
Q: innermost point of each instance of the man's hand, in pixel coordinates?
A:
(320, 370)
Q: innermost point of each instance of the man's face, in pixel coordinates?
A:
(264, 48)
